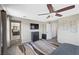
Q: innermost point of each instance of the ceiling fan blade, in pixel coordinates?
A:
(59, 15)
(50, 8)
(66, 8)
(43, 14)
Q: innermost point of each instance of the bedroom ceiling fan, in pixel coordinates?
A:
(56, 13)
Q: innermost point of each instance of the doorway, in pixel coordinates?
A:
(15, 31)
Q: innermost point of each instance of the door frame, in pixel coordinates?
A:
(10, 27)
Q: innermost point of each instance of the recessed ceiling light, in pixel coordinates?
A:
(24, 16)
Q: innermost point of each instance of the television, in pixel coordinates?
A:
(34, 26)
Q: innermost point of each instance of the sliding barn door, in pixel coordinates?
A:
(4, 33)
(3, 38)
(0, 32)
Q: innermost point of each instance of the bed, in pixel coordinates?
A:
(43, 47)
(18, 48)
(66, 49)
(50, 48)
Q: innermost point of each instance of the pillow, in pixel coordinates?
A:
(54, 42)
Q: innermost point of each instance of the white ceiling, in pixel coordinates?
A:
(31, 11)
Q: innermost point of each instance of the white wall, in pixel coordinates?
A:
(8, 31)
(26, 32)
(25, 29)
(68, 30)
(49, 30)
(54, 28)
